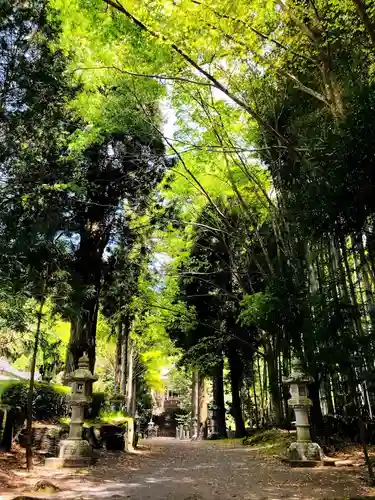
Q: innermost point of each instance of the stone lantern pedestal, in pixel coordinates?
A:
(302, 453)
(76, 451)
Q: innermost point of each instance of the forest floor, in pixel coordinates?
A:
(178, 470)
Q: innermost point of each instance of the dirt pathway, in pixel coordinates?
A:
(177, 470)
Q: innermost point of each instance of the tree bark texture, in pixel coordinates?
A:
(130, 375)
(218, 399)
(83, 336)
(29, 417)
(235, 367)
(202, 406)
(124, 358)
(119, 342)
(194, 396)
(274, 386)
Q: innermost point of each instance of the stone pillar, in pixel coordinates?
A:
(302, 423)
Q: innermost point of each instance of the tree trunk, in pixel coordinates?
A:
(265, 392)
(130, 375)
(285, 389)
(202, 406)
(194, 399)
(328, 396)
(255, 405)
(133, 405)
(316, 415)
(353, 295)
(274, 387)
(83, 336)
(119, 342)
(124, 357)
(366, 20)
(235, 367)
(218, 399)
(87, 278)
(361, 424)
(261, 414)
(29, 416)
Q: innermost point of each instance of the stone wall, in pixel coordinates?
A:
(46, 438)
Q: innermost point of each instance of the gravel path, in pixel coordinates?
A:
(167, 469)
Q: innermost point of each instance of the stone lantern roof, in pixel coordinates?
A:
(298, 375)
(82, 373)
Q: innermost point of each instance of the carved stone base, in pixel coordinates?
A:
(73, 453)
(304, 454)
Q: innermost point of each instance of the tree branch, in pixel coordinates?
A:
(254, 30)
(254, 114)
(362, 11)
(142, 75)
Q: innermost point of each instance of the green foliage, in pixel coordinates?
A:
(270, 442)
(97, 404)
(50, 402)
(113, 417)
(259, 309)
(180, 381)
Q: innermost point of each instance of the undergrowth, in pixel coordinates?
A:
(269, 442)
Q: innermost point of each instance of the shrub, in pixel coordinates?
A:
(119, 418)
(97, 405)
(50, 401)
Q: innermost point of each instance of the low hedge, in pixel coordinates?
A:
(49, 404)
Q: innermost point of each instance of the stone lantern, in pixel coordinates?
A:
(76, 451)
(303, 451)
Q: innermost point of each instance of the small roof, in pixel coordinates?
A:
(7, 372)
(83, 372)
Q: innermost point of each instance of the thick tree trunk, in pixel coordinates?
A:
(86, 277)
(194, 398)
(235, 367)
(316, 416)
(218, 399)
(316, 410)
(83, 336)
(274, 387)
(202, 406)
